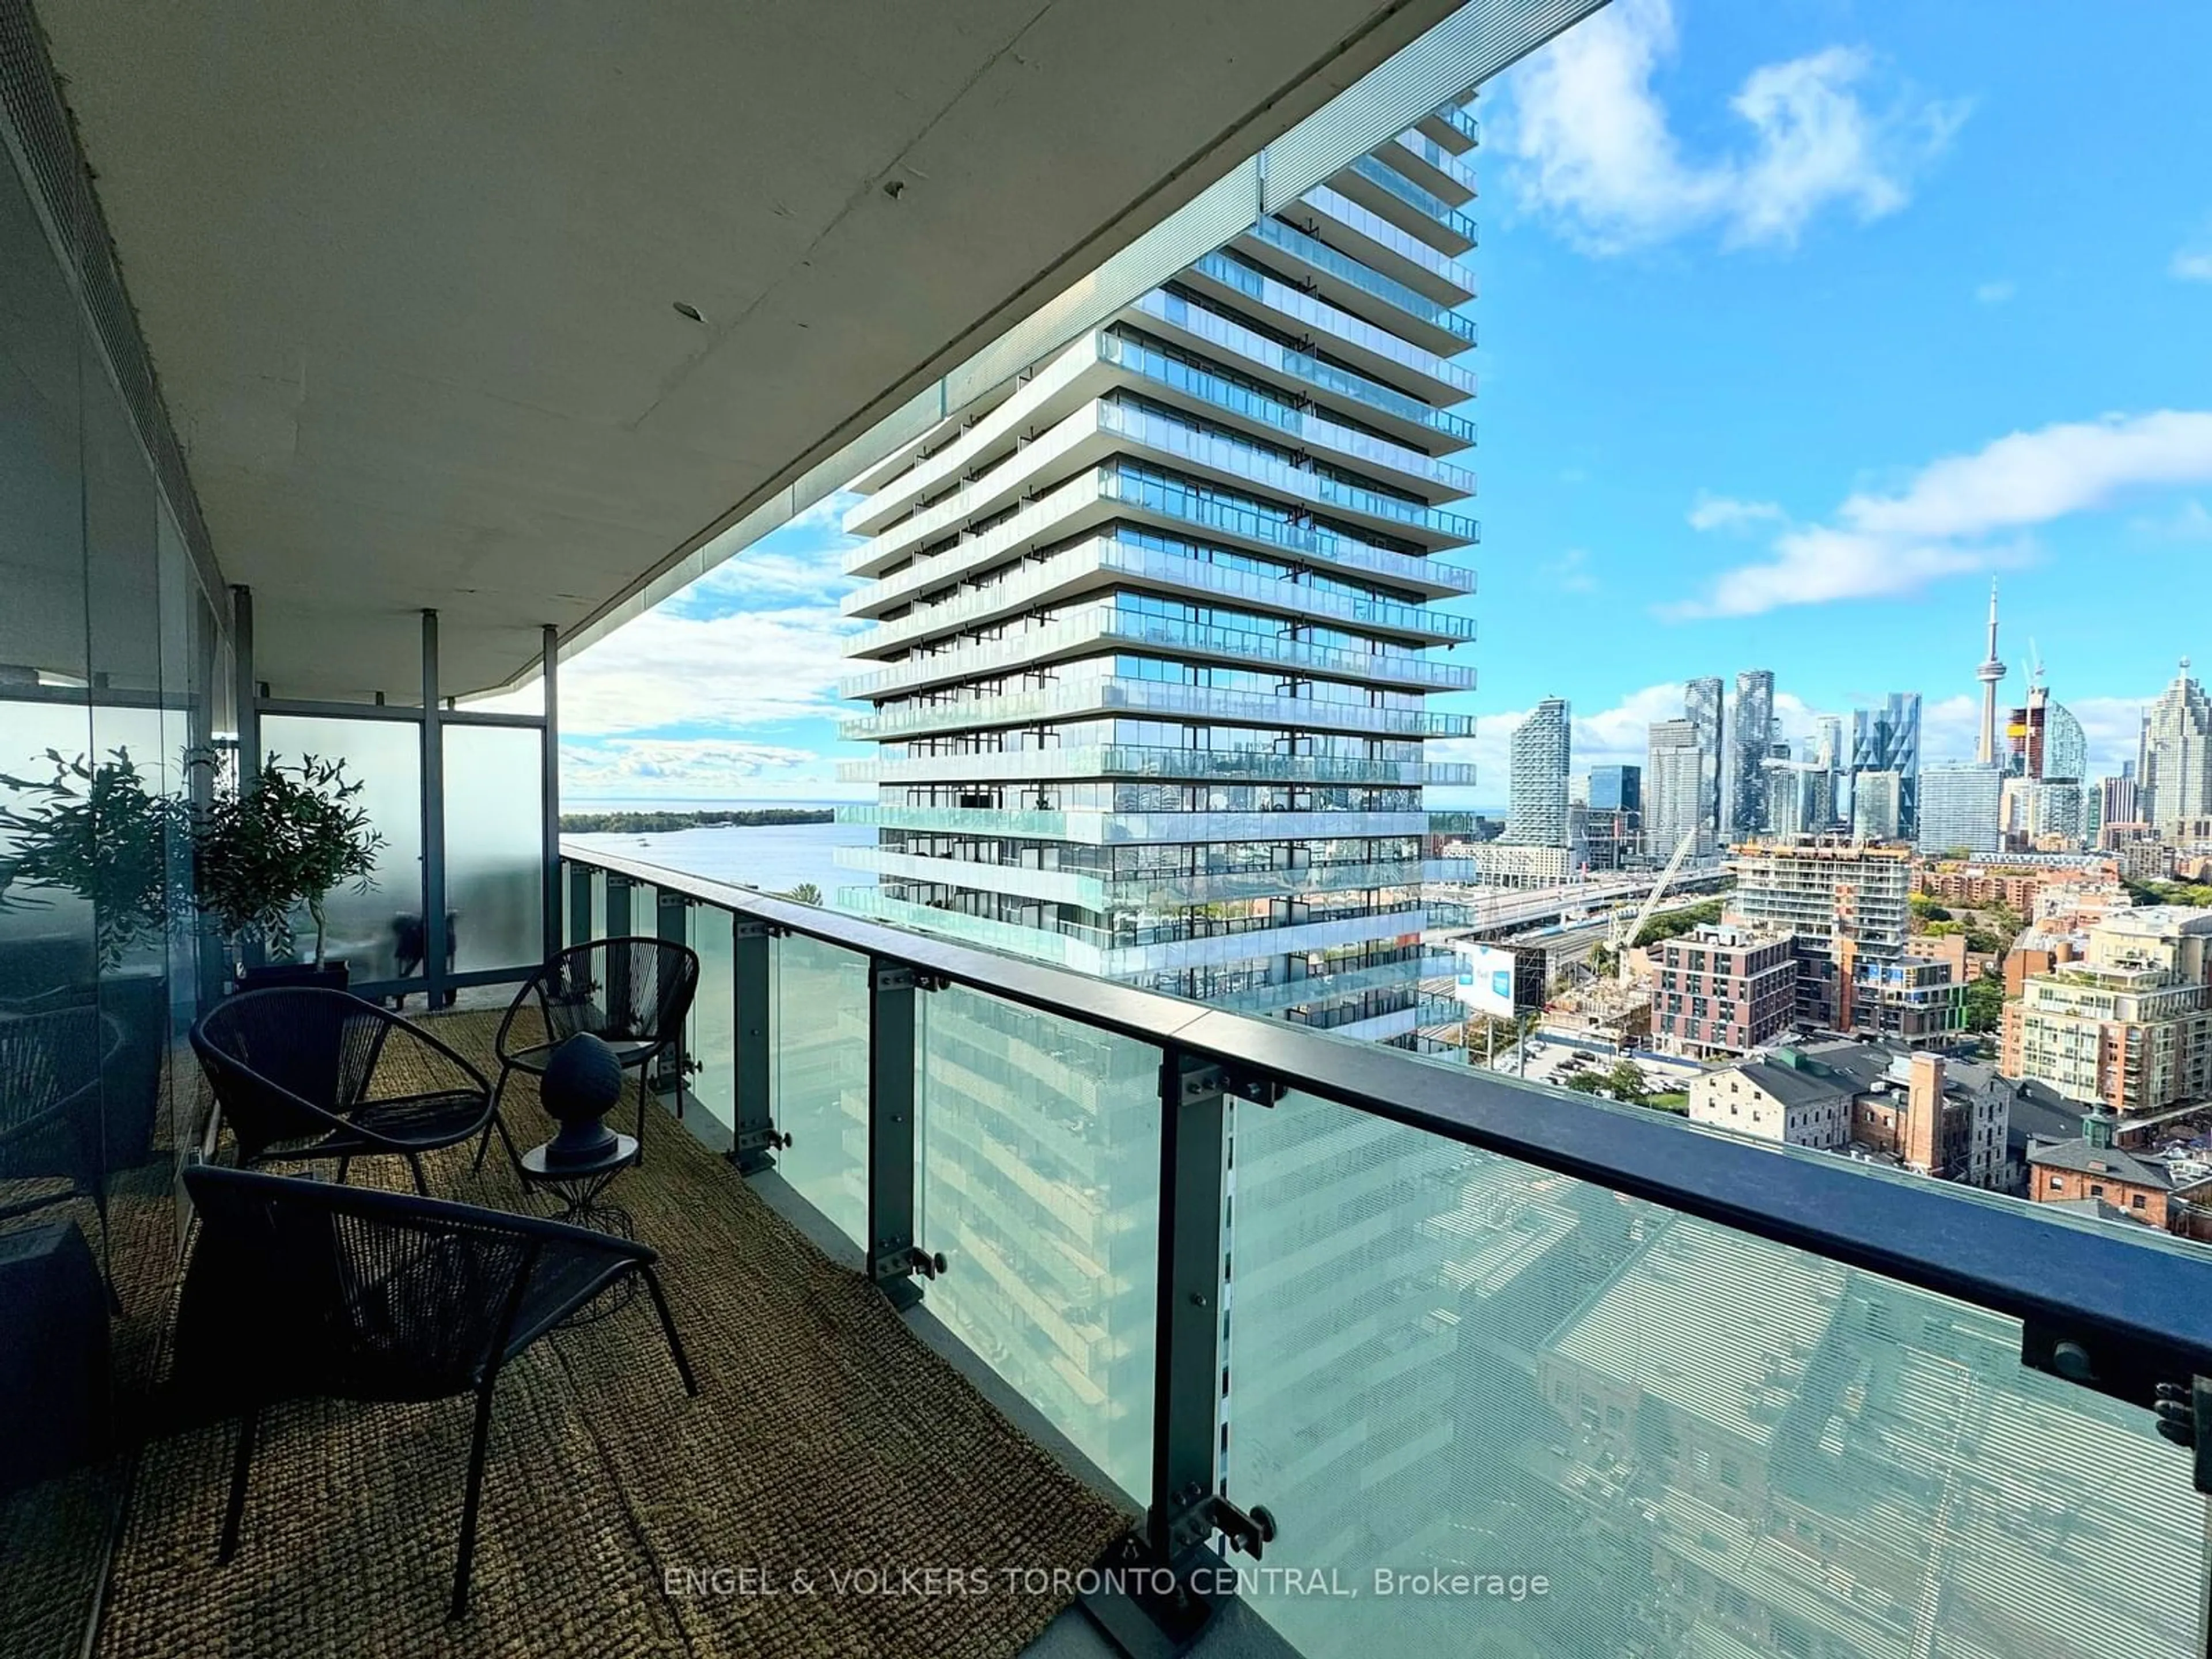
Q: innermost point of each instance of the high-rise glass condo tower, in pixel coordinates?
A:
(2173, 770)
(1701, 706)
(1672, 774)
(1887, 740)
(1536, 814)
(1148, 656)
(1753, 736)
(1960, 808)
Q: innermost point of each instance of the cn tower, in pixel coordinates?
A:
(1990, 673)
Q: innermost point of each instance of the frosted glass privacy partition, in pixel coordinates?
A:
(1521, 1414)
(495, 847)
(818, 1035)
(385, 757)
(710, 1034)
(1040, 1156)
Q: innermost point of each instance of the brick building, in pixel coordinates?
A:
(2142, 1187)
(1722, 990)
(1912, 1110)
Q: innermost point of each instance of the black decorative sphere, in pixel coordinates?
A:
(582, 1082)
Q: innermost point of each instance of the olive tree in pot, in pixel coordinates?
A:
(97, 829)
(283, 840)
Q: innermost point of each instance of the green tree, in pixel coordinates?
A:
(1985, 999)
(1586, 1082)
(1624, 1081)
(805, 893)
(1926, 910)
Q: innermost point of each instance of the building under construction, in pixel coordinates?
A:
(1846, 903)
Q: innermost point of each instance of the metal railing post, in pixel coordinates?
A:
(1172, 1579)
(1187, 1360)
(755, 1140)
(672, 925)
(894, 1255)
(579, 903)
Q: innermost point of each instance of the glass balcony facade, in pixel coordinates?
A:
(1217, 561)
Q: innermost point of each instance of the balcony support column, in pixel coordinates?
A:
(549, 787)
(755, 1140)
(436, 939)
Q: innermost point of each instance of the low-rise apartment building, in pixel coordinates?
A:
(2128, 1028)
(1722, 990)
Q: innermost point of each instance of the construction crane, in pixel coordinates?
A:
(1618, 942)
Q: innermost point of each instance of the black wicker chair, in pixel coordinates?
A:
(302, 1289)
(631, 994)
(295, 1070)
(51, 1066)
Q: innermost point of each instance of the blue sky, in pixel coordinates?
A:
(1799, 321)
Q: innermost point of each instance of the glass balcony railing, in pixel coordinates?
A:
(1302, 427)
(1394, 183)
(1020, 589)
(1434, 154)
(1107, 622)
(1221, 332)
(1238, 459)
(1322, 256)
(1097, 826)
(1144, 760)
(1090, 890)
(1461, 122)
(1496, 1350)
(1276, 530)
(1363, 222)
(1284, 301)
(1112, 693)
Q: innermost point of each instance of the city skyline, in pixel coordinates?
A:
(1897, 344)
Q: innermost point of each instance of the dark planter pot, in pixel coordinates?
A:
(330, 976)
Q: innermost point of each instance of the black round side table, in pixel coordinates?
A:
(579, 1185)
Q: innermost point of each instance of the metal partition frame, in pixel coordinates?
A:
(2124, 1314)
(436, 712)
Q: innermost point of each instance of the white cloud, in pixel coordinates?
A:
(2189, 522)
(749, 668)
(1570, 572)
(1948, 520)
(686, 768)
(1594, 152)
(2192, 265)
(1710, 512)
(1994, 293)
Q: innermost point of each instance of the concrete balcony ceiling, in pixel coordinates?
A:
(411, 279)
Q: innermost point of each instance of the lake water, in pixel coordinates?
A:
(772, 857)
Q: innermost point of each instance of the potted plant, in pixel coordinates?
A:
(283, 840)
(95, 828)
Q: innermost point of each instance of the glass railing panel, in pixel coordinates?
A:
(710, 1032)
(494, 846)
(1600, 1427)
(598, 920)
(368, 929)
(1040, 1159)
(818, 1035)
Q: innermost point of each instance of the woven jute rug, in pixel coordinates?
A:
(835, 1488)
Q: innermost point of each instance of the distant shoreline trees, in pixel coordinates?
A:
(656, 823)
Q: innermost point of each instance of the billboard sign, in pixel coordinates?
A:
(1487, 974)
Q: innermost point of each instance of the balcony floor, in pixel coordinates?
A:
(827, 1437)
